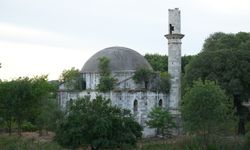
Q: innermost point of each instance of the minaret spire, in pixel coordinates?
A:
(174, 58)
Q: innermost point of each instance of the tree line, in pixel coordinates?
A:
(25, 102)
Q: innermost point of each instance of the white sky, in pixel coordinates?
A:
(47, 36)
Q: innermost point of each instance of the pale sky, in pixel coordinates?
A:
(47, 36)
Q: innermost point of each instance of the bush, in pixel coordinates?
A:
(161, 119)
(29, 127)
(247, 126)
(99, 124)
(107, 82)
(142, 76)
(246, 144)
(206, 109)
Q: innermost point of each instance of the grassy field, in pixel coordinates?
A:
(31, 141)
(192, 143)
(28, 141)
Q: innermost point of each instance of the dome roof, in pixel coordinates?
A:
(121, 59)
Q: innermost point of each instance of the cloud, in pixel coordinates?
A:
(11, 30)
(231, 7)
(16, 33)
(25, 59)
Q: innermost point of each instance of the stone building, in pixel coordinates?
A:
(126, 93)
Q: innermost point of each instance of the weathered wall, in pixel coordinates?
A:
(125, 99)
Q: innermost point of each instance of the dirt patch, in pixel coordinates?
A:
(35, 136)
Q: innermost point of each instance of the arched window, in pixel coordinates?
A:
(160, 103)
(135, 108)
(69, 103)
(83, 84)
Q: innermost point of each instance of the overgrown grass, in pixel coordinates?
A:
(19, 143)
(193, 143)
(15, 142)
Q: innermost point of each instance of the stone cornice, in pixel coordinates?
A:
(174, 36)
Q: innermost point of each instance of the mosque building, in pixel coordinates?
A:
(123, 63)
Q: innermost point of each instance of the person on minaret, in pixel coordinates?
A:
(174, 58)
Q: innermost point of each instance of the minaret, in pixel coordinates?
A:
(174, 58)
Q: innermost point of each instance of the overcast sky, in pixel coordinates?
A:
(47, 36)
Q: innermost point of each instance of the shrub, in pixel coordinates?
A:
(205, 109)
(107, 82)
(246, 144)
(99, 124)
(142, 76)
(27, 126)
(161, 119)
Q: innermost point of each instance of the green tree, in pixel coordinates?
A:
(158, 62)
(43, 92)
(6, 104)
(98, 124)
(164, 82)
(220, 41)
(142, 76)
(73, 79)
(21, 99)
(161, 119)
(225, 58)
(185, 60)
(205, 108)
(103, 66)
(48, 116)
(106, 84)
(106, 80)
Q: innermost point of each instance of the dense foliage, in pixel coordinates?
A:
(49, 114)
(225, 58)
(164, 83)
(160, 62)
(98, 124)
(162, 120)
(185, 60)
(21, 100)
(103, 66)
(205, 108)
(106, 82)
(72, 79)
(222, 41)
(143, 76)
(155, 81)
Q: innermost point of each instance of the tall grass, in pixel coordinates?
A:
(180, 143)
(194, 143)
(20, 143)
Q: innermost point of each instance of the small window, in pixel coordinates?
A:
(135, 109)
(69, 103)
(171, 28)
(160, 103)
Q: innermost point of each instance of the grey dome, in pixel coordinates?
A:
(121, 59)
